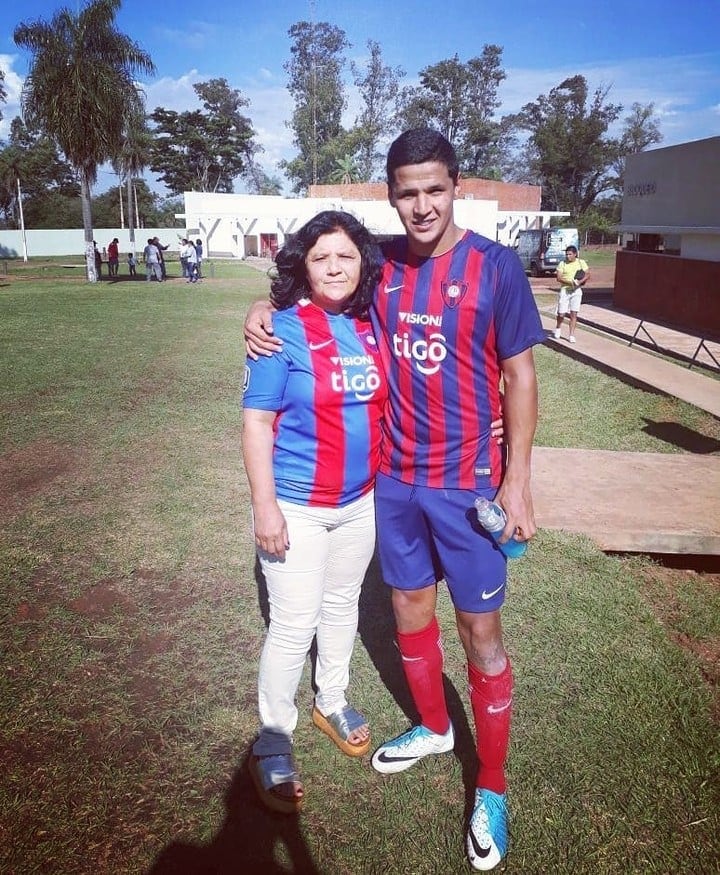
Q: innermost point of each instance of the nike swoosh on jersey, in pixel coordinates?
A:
(489, 595)
(314, 346)
(389, 289)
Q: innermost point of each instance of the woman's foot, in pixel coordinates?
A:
(347, 728)
(277, 782)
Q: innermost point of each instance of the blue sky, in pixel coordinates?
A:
(664, 51)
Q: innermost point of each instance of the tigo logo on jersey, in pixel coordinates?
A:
(363, 385)
(426, 353)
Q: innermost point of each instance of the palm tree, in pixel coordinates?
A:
(132, 160)
(80, 89)
(345, 170)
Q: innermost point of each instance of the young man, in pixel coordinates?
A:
(572, 275)
(453, 313)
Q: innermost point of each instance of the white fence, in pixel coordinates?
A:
(71, 241)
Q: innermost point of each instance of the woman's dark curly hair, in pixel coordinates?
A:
(290, 284)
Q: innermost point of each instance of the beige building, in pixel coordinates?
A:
(669, 269)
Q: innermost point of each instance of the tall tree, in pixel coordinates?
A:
(81, 83)
(153, 211)
(461, 101)
(572, 153)
(315, 71)
(31, 164)
(641, 129)
(129, 164)
(379, 86)
(204, 149)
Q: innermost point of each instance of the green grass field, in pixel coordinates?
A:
(133, 617)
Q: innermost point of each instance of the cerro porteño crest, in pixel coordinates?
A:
(453, 291)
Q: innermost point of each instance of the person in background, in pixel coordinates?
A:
(151, 256)
(572, 274)
(191, 261)
(199, 252)
(183, 253)
(161, 249)
(98, 261)
(132, 263)
(311, 434)
(453, 314)
(113, 257)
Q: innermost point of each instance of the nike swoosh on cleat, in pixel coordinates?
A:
(489, 595)
(314, 346)
(481, 852)
(389, 289)
(384, 758)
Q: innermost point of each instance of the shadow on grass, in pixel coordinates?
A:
(376, 627)
(680, 436)
(251, 839)
(377, 632)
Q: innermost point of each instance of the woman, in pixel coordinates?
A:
(311, 434)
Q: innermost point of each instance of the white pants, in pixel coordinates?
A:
(313, 592)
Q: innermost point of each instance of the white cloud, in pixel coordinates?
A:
(13, 87)
(678, 87)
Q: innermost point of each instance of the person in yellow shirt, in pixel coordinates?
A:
(572, 275)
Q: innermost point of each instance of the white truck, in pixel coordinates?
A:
(540, 250)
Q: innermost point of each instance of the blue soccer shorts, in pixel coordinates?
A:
(426, 534)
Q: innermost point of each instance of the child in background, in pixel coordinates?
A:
(132, 262)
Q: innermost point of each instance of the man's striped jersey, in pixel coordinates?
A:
(443, 326)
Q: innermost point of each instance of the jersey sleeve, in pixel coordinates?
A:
(517, 321)
(265, 381)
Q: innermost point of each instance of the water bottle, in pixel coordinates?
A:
(492, 518)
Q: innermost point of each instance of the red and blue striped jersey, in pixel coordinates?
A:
(444, 325)
(329, 391)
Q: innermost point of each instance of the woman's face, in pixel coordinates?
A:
(333, 268)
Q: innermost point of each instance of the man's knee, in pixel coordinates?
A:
(414, 608)
(482, 639)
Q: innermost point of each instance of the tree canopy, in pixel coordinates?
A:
(460, 99)
(315, 83)
(571, 149)
(204, 150)
(81, 82)
(32, 159)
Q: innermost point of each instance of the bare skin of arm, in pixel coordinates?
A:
(271, 533)
(520, 416)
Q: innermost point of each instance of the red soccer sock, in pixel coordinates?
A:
(422, 660)
(491, 700)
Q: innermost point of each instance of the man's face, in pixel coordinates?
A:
(570, 255)
(423, 196)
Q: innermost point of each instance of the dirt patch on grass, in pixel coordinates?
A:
(666, 590)
(30, 471)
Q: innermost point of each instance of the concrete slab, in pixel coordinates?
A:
(640, 366)
(630, 502)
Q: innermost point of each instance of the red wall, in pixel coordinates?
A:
(667, 288)
(509, 195)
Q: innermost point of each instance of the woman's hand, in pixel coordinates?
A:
(271, 534)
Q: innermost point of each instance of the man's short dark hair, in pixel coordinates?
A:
(571, 248)
(417, 146)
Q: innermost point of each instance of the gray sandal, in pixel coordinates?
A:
(268, 774)
(339, 727)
